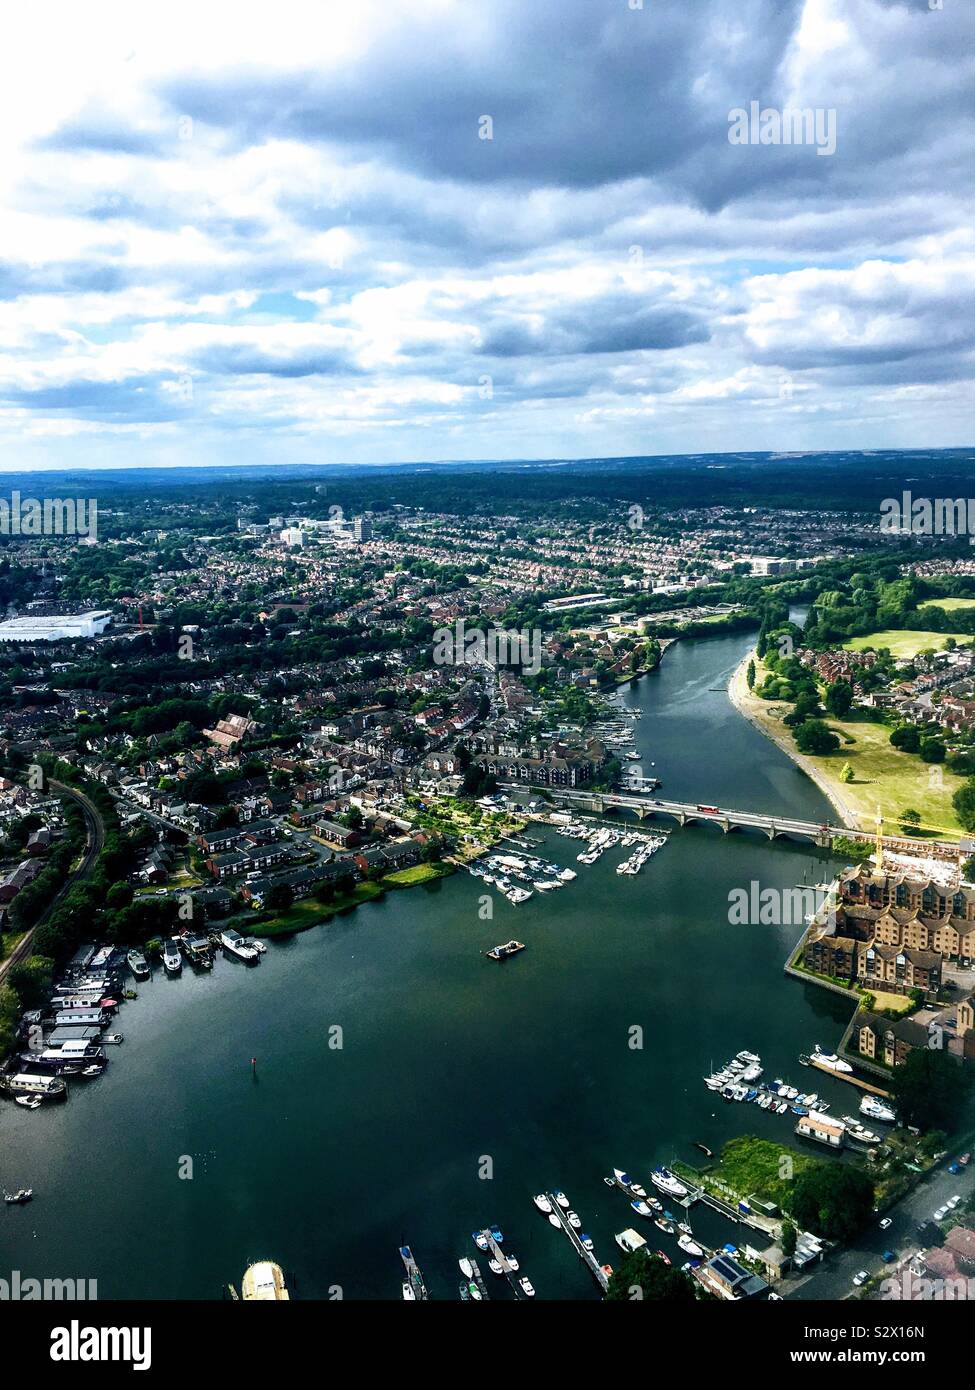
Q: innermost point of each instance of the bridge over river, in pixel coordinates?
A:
(686, 813)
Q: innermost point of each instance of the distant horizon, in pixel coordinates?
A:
(561, 460)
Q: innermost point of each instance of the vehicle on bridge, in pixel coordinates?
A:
(711, 810)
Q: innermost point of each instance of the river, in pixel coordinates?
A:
(461, 1087)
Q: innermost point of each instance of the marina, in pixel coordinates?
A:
(561, 1097)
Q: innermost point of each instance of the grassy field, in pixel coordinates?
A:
(754, 1167)
(950, 605)
(882, 775)
(890, 778)
(904, 643)
(311, 913)
(419, 873)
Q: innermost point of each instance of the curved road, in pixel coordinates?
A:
(96, 839)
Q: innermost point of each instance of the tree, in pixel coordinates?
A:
(816, 737)
(910, 820)
(750, 675)
(932, 750)
(32, 980)
(906, 738)
(281, 897)
(832, 1200)
(839, 698)
(964, 804)
(846, 773)
(645, 1278)
(929, 1088)
(788, 1241)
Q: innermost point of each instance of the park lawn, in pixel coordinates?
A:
(950, 605)
(889, 778)
(419, 873)
(904, 643)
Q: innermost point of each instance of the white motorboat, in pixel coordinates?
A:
(830, 1060)
(642, 1209)
(28, 1102)
(513, 1264)
(466, 1268)
(409, 1293)
(562, 1200)
(876, 1110)
(574, 1220)
(543, 1204)
(664, 1179)
(689, 1246)
(526, 1287)
(494, 1266)
(554, 1221)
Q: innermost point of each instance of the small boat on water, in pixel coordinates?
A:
(509, 948)
(480, 1240)
(642, 1209)
(586, 1242)
(689, 1246)
(28, 1102)
(704, 1149)
(172, 959)
(409, 1293)
(665, 1225)
(474, 1291)
(574, 1220)
(625, 1180)
(138, 964)
(543, 1204)
(562, 1200)
(553, 1220)
(18, 1198)
(513, 1264)
(662, 1255)
(466, 1268)
(527, 1288)
(465, 1293)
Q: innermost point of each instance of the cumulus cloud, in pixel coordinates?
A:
(337, 226)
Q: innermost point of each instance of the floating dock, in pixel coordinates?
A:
(586, 1256)
(499, 1255)
(413, 1273)
(848, 1077)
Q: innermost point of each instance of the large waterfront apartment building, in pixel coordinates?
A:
(892, 931)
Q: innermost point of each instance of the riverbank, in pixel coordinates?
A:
(883, 776)
(762, 715)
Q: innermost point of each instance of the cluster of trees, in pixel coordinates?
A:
(930, 1089)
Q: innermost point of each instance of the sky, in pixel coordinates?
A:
(398, 230)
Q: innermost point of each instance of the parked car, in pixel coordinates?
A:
(942, 1212)
(965, 1160)
(954, 1168)
(889, 1257)
(953, 1201)
(860, 1277)
(886, 1223)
